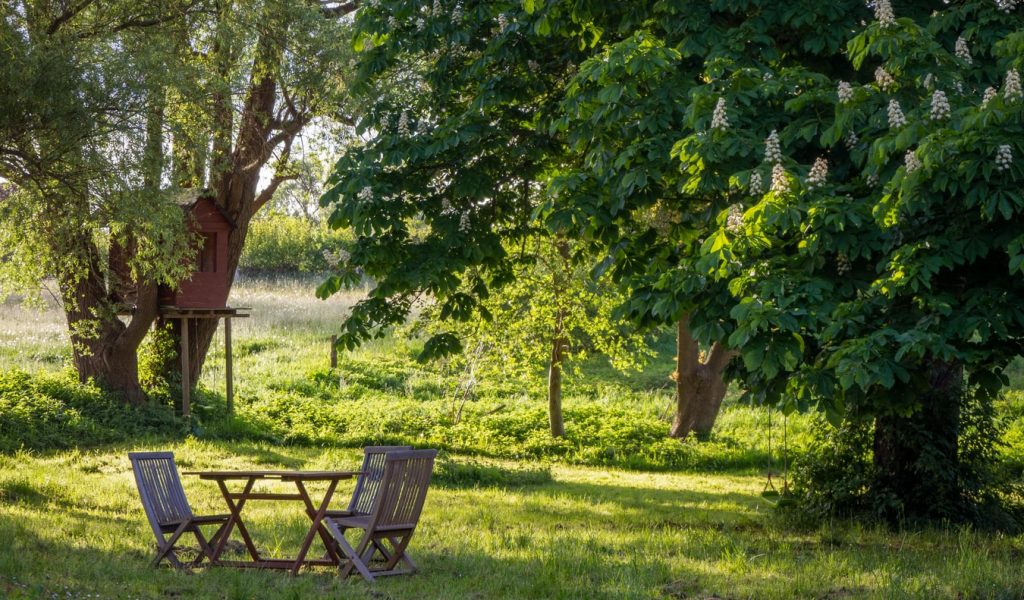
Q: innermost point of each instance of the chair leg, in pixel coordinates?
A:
(399, 551)
(165, 549)
(405, 554)
(207, 550)
(354, 556)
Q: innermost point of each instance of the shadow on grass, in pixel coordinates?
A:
(38, 566)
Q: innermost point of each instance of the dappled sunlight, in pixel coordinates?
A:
(588, 532)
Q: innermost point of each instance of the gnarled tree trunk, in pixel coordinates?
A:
(103, 347)
(699, 385)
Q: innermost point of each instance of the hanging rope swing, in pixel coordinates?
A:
(769, 490)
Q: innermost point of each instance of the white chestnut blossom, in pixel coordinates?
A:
(780, 181)
(896, 118)
(366, 194)
(911, 161)
(871, 180)
(734, 221)
(929, 81)
(457, 14)
(502, 22)
(883, 13)
(533, 65)
(819, 173)
(990, 93)
(1004, 157)
(842, 263)
(851, 140)
(1006, 5)
(884, 79)
(845, 92)
(1011, 90)
(719, 118)
(772, 149)
(420, 24)
(963, 52)
(403, 124)
(392, 22)
(940, 106)
(436, 8)
(756, 184)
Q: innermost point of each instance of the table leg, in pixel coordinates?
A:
(235, 520)
(318, 517)
(325, 535)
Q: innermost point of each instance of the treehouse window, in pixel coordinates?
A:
(208, 254)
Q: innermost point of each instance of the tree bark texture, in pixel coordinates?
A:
(700, 388)
(916, 457)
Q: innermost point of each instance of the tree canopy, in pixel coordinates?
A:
(827, 188)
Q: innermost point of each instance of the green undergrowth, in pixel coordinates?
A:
(54, 411)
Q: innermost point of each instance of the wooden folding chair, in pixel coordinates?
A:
(168, 510)
(389, 525)
(368, 483)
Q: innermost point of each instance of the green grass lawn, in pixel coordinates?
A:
(511, 514)
(71, 523)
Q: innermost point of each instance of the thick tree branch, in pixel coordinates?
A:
(68, 14)
(267, 193)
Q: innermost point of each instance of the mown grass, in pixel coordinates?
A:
(71, 525)
(512, 513)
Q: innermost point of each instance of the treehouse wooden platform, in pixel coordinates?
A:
(186, 315)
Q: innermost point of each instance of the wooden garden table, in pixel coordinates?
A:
(236, 501)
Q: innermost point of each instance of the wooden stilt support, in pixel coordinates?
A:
(227, 365)
(186, 383)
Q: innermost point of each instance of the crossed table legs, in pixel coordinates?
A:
(236, 502)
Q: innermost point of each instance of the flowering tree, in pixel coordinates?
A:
(827, 189)
(879, 274)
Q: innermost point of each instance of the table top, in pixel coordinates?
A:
(282, 475)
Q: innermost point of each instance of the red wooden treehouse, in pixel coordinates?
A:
(203, 294)
(210, 281)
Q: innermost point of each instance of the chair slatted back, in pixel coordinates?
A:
(368, 483)
(156, 476)
(403, 489)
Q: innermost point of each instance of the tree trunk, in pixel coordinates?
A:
(700, 388)
(103, 347)
(555, 388)
(916, 457)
